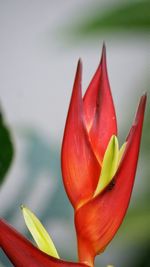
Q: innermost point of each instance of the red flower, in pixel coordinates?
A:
(99, 192)
(98, 177)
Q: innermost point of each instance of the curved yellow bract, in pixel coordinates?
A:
(38, 232)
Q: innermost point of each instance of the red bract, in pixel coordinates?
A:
(22, 253)
(79, 165)
(90, 124)
(101, 123)
(98, 220)
(89, 127)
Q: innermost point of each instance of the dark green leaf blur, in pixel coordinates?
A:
(6, 148)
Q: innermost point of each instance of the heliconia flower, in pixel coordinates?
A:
(98, 176)
(23, 253)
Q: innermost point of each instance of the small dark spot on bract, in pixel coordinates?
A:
(111, 185)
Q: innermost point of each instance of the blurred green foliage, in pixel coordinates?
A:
(122, 16)
(6, 148)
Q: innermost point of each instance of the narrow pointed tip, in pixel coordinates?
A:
(139, 116)
(104, 51)
(79, 71)
(113, 136)
(104, 48)
(145, 94)
(79, 65)
(113, 139)
(143, 100)
(142, 104)
(103, 56)
(22, 207)
(144, 97)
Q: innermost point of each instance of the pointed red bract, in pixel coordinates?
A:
(104, 123)
(98, 220)
(80, 168)
(23, 254)
(90, 98)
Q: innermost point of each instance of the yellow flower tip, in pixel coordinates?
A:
(22, 207)
(109, 164)
(39, 233)
(111, 161)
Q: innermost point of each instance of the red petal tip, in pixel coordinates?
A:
(78, 75)
(104, 123)
(79, 65)
(104, 49)
(141, 107)
(103, 57)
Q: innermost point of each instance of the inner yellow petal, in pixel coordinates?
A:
(109, 164)
(40, 235)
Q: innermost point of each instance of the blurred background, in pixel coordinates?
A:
(41, 42)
